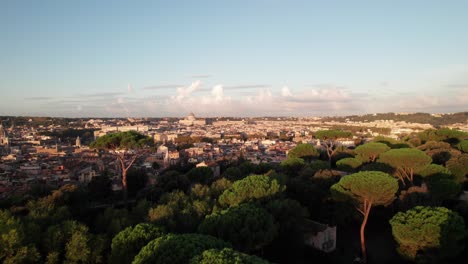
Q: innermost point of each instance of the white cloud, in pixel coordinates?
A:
(218, 93)
(285, 91)
(185, 92)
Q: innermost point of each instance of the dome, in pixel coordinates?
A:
(191, 117)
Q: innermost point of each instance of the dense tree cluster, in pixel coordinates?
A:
(405, 189)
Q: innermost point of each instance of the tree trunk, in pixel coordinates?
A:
(124, 185)
(367, 207)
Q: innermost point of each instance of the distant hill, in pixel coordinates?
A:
(423, 118)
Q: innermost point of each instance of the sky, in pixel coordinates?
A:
(232, 58)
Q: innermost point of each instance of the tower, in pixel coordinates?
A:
(3, 136)
(78, 142)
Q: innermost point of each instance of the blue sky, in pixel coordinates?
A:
(241, 58)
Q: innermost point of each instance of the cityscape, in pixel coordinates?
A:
(233, 132)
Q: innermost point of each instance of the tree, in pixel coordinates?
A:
(112, 221)
(443, 187)
(441, 183)
(13, 243)
(137, 180)
(289, 216)
(253, 187)
(127, 147)
(433, 169)
(173, 180)
(226, 256)
(177, 249)
(348, 164)
(392, 143)
(71, 242)
(304, 151)
(452, 136)
(246, 226)
(100, 187)
(406, 162)
(423, 233)
(366, 189)
(233, 174)
(178, 212)
(458, 165)
(126, 244)
(329, 140)
(201, 175)
(463, 146)
(292, 165)
(439, 151)
(218, 187)
(369, 152)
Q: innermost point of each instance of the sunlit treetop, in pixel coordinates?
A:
(122, 141)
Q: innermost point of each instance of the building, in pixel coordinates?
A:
(212, 165)
(78, 142)
(4, 141)
(191, 120)
(87, 174)
(319, 236)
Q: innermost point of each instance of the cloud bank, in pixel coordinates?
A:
(253, 100)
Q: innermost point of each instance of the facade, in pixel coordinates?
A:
(213, 166)
(78, 142)
(191, 120)
(319, 236)
(4, 141)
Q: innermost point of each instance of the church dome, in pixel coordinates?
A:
(191, 117)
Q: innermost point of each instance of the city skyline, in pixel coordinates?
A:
(243, 58)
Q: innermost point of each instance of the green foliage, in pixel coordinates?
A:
(246, 226)
(178, 212)
(332, 134)
(406, 162)
(172, 180)
(369, 152)
(440, 152)
(292, 165)
(378, 166)
(13, 242)
(433, 169)
(433, 145)
(233, 174)
(458, 165)
(253, 187)
(203, 175)
(349, 164)
(177, 249)
(443, 186)
(452, 136)
(288, 214)
(136, 180)
(100, 188)
(112, 221)
(463, 146)
(226, 256)
(375, 187)
(392, 143)
(428, 233)
(304, 151)
(218, 187)
(126, 244)
(71, 242)
(312, 168)
(54, 208)
(328, 140)
(122, 141)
